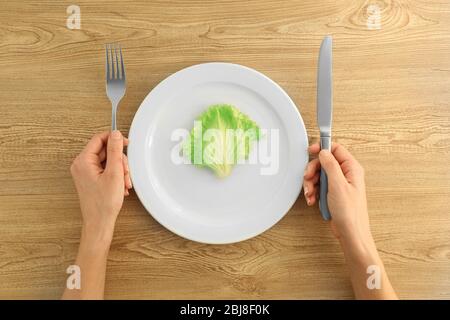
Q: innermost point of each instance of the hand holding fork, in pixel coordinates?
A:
(115, 90)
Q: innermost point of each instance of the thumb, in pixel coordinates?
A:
(114, 162)
(331, 166)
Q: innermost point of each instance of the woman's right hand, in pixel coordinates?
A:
(346, 191)
(349, 218)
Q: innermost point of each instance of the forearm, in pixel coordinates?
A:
(361, 254)
(91, 259)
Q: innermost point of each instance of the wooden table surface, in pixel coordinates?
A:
(391, 109)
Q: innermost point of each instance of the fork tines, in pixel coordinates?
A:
(113, 59)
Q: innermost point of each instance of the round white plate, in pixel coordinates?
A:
(192, 202)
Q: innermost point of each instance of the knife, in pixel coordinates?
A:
(324, 114)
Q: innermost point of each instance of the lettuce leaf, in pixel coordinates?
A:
(222, 136)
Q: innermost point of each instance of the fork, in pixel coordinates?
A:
(115, 78)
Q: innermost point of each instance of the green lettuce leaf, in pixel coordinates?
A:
(221, 137)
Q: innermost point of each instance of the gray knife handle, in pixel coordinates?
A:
(325, 143)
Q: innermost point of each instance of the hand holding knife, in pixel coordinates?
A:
(324, 114)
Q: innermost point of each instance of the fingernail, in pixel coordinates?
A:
(116, 135)
(306, 190)
(308, 201)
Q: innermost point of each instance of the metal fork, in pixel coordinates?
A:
(115, 78)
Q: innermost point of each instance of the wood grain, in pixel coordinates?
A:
(392, 110)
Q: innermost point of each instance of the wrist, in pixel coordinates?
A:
(97, 236)
(359, 246)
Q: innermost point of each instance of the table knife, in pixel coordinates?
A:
(324, 114)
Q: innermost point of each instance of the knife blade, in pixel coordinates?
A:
(324, 114)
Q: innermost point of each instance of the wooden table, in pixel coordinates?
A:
(392, 110)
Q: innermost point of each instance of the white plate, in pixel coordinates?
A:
(191, 201)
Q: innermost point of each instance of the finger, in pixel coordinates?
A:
(331, 166)
(314, 148)
(125, 164)
(102, 155)
(97, 142)
(351, 168)
(315, 179)
(341, 153)
(353, 171)
(114, 158)
(309, 190)
(312, 198)
(126, 171)
(312, 168)
(128, 183)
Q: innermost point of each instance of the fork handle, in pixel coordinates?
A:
(113, 117)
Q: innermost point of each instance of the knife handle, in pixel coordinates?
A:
(325, 143)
